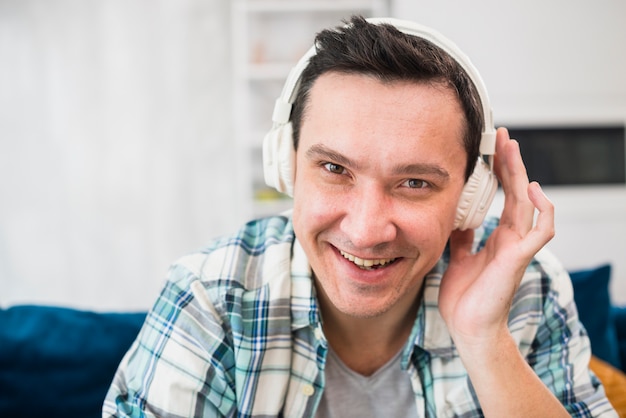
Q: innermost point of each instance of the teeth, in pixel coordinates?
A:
(367, 264)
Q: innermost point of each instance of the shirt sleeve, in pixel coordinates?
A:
(561, 350)
(179, 364)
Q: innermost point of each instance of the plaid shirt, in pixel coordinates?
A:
(236, 331)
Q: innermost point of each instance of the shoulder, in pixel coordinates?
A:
(255, 237)
(205, 325)
(238, 259)
(544, 322)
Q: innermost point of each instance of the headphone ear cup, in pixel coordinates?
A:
(279, 158)
(476, 197)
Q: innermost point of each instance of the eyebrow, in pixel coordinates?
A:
(421, 169)
(319, 151)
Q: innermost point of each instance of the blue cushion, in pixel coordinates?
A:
(619, 316)
(591, 293)
(59, 362)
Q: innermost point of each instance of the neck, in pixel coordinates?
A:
(366, 344)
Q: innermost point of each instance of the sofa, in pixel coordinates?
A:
(59, 362)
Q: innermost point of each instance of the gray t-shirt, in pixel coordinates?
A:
(386, 393)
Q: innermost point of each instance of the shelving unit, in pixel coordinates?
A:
(268, 37)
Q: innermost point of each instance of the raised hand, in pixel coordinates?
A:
(477, 289)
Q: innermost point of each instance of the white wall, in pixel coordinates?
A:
(551, 62)
(115, 147)
(542, 61)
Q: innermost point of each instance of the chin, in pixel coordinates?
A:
(362, 308)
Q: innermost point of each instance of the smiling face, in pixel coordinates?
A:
(379, 171)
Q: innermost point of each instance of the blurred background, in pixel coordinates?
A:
(130, 131)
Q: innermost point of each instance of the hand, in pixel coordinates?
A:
(477, 289)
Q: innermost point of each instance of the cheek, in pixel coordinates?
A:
(424, 227)
(314, 209)
(429, 224)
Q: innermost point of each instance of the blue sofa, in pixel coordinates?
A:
(59, 362)
(605, 323)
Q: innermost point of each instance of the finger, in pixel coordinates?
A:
(543, 231)
(539, 199)
(518, 209)
(502, 137)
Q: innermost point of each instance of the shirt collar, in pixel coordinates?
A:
(430, 333)
(304, 307)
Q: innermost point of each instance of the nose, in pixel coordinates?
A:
(368, 221)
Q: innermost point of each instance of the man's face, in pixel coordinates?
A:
(379, 171)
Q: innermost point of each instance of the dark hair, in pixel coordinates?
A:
(382, 51)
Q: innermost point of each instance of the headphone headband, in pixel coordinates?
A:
(283, 105)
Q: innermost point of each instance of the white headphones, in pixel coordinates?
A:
(478, 192)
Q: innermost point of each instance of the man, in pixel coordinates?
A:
(373, 298)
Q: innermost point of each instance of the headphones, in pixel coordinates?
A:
(278, 145)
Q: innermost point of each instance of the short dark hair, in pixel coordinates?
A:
(384, 52)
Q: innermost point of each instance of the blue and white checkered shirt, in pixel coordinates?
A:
(236, 331)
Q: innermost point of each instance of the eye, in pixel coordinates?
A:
(416, 184)
(334, 168)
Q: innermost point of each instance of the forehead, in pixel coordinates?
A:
(405, 108)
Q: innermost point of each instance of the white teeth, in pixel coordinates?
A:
(367, 264)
